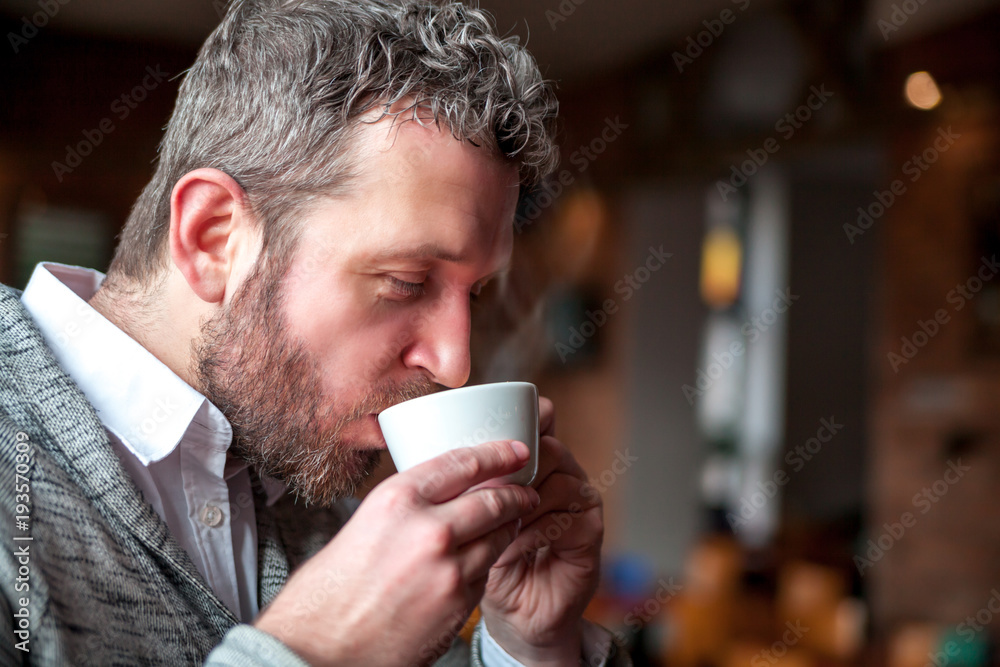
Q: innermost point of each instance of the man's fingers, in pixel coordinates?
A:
(564, 533)
(555, 456)
(478, 556)
(569, 507)
(454, 472)
(482, 511)
(564, 493)
(546, 416)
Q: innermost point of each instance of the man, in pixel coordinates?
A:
(337, 182)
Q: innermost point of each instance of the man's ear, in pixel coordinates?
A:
(210, 224)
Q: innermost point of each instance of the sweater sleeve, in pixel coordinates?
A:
(246, 646)
(600, 649)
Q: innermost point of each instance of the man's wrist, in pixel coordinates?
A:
(565, 648)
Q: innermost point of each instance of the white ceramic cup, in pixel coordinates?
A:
(423, 428)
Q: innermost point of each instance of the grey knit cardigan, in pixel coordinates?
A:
(89, 573)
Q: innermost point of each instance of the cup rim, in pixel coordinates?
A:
(471, 389)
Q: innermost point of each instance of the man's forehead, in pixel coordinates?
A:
(413, 137)
(420, 194)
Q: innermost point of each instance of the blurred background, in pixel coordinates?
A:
(761, 289)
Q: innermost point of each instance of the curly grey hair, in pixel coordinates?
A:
(279, 87)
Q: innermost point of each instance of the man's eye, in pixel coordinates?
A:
(405, 288)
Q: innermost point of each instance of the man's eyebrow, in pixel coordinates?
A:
(432, 251)
(422, 251)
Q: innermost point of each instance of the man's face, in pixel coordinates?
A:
(373, 309)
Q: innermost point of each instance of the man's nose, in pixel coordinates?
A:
(441, 345)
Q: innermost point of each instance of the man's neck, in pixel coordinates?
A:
(145, 317)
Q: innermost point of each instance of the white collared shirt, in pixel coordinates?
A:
(170, 438)
(163, 430)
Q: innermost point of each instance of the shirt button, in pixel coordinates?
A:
(211, 516)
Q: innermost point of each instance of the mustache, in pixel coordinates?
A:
(387, 394)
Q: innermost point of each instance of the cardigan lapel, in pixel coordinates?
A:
(46, 401)
(272, 561)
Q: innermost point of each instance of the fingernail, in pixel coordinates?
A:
(520, 450)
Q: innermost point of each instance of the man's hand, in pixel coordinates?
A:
(398, 581)
(538, 589)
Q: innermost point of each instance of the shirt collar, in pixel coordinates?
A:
(137, 397)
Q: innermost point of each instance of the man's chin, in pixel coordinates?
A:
(365, 463)
(342, 479)
(364, 458)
